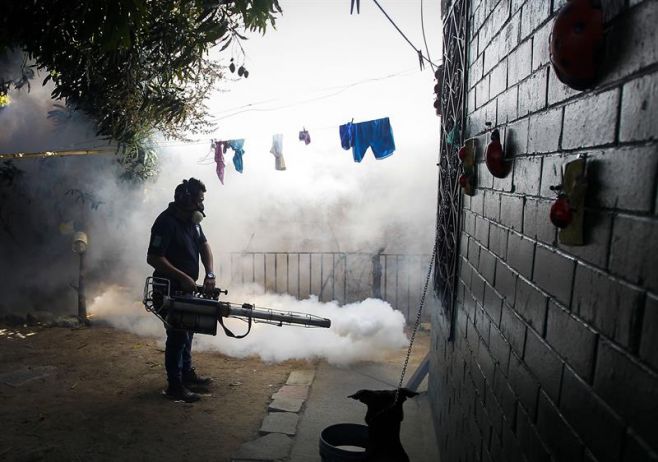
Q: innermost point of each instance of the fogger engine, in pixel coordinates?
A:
(200, 311)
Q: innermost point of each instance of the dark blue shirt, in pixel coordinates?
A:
(179, 241)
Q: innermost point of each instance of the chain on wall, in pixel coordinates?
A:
(452, 85)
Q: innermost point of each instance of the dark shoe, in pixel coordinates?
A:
(181, 394)
(191, 378)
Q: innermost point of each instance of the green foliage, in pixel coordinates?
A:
(82, 198)
(9, 173)
(134, 66)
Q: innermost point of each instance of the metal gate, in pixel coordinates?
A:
(452, 126)
(344, 277)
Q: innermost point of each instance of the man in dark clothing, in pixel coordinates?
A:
(177, 241)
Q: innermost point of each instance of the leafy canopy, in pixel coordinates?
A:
(134, 66)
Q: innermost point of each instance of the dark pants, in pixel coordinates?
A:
(178, 355)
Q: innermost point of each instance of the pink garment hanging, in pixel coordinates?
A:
(219, 158)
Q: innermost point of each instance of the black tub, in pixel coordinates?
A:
(343, 442)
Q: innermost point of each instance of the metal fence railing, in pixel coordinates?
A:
(340, 276)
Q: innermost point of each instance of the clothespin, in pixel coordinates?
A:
(358, 10)
(420, 59)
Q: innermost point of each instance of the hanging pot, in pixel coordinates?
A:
(495, 157)
(466, 156)
(561, 213)
(466, 181)
(576, 44)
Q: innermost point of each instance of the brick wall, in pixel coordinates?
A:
(555, 355)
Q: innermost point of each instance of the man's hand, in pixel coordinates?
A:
(208, 284)
(188, 284)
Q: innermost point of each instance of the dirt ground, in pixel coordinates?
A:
(102, 398)
(102, 401)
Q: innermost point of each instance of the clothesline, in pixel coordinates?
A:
(232, 112)
(374, 134)
(287, 131)
(82, 147)
(225, 136)
(207, 158)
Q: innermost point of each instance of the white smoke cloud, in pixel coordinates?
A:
(363, 331)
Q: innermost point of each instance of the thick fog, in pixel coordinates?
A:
(365, 330)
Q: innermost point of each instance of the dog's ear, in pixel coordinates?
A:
(359, 395)
(406, 393)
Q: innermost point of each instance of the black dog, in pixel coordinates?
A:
(384, 417)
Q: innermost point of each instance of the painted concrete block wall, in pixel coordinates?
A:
(555, 355)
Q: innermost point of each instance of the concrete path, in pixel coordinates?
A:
(280, 424)
(313, 399)
(327, 404)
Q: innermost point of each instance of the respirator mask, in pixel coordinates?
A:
(190, 200)
(198, 215)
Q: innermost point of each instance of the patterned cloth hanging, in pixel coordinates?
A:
(218, 146)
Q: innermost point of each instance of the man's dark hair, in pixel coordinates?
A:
(188, 189)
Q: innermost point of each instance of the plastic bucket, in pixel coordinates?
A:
(343, 442)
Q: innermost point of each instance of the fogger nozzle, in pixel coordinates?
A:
(278, 317)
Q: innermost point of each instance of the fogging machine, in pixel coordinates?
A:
(200, 311)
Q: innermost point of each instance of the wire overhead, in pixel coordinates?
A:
(422, 25)
(421, 57)
(251, 107)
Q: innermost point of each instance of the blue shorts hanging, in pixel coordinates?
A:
(376, 134)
